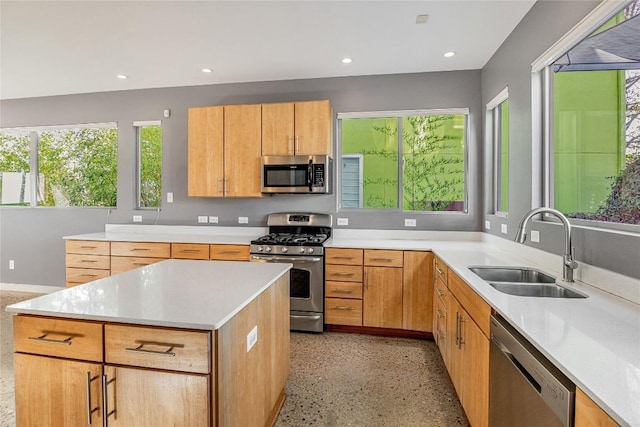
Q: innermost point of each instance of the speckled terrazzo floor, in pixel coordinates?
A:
(336, 380)
(358, 380)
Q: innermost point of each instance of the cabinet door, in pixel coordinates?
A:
(589, 414)
(382, 297)
(57, 392)
(242, 150)
(314, 128)
(278, 129)
(474, 395)
(154, 398)
(206, 152)
(417, 291)
(453, 359)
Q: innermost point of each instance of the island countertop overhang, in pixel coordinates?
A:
(173, 293)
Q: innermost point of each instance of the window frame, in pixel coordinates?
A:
(464, 111)
(137, 125)
(542, 113)
(493, 137)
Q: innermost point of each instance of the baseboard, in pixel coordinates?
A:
(38, 289)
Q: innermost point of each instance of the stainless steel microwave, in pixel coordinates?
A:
(297, 174)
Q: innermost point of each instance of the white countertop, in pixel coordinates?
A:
(173, 293)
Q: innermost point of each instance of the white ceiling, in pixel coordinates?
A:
(59, 47)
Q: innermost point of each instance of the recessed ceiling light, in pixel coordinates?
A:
(421, 19)
(449, 54)
(122, 76)
(207, 70)
(347, 60)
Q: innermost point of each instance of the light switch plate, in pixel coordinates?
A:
(252, 338)
(487, 225)
(409, 222)
(535, 236)
(203, 219)
(243, 220)
(213, 220)
(503, 228)
(137, 218)
(343, 221)
(169, 197)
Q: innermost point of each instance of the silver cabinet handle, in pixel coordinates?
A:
(439, 271)
(220, 188)
(88, 275)
(342, 257)
(90, 410)
(457, 329)
(439, 292)
(105, 402)
(291, 146)
(226, 186)
(140, 263)
(297, 143)
(43, 338)
(462, 320)
(383, 259)
(141, 349)
(88, 247)
(439, 314)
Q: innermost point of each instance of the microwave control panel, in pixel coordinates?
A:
(318, 176)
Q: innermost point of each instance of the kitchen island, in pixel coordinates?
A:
(179, 342)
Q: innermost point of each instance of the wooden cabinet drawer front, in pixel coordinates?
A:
(343, 290)
(440, 270)
(144, 249)
(87, 247)
(440, 318)
(343, 273)
(189, 251)
(98, 262)
(343, 256)
(49, 336)
(440, 292)
(477, 308)
(120, 264)
(84, 275)
(230, 252)
(339, 311)
(382, 258)
(171, 349)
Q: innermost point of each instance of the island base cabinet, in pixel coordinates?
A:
(57, 392)
(138, 397)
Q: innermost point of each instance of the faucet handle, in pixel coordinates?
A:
(570, 261)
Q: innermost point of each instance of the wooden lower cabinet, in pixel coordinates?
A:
(221, 252)
(417, 291)
(589, 414)
(382, 297)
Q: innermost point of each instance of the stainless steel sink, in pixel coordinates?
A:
(523, 281)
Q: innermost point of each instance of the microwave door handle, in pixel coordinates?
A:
(310, 175)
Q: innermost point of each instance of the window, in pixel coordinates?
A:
(594, 142)
(498, 135)
(15, 179)
(149, 155)
(410, 161)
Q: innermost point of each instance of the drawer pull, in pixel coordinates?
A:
(342, 274)
(90, 410)
(439, 314)
(229, 252)
(441, 272)
(343, 307)
(88, 275)
(383, 259)
(440, 293)
(140, 249)
(343, 291)
(342, 257)
(142, 264)
(141, 349)
(88, 260)
(43, 338)
(189, 251)
(88, 247)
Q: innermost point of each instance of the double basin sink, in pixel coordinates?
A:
(523, 281)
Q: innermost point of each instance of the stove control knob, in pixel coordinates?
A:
(267, 249)
(301, 250)
(310, 250)
(285, 250)
(260, 248)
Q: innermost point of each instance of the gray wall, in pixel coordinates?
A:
(33, 236)
(545, 23)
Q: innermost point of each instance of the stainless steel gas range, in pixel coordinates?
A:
(298, 238)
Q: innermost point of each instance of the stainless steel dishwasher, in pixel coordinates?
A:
(525, 389)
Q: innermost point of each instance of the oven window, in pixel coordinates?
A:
(285, 176)
(300, 283)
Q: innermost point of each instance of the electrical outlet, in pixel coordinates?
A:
(137, 218)
(243, 220)
(409, 222)
(503, 228)
(487, 225)
(535, 236)
(213, 220)
(343, 221)
(169, 197)
(203, 219)
(12, 264)
(252, 338)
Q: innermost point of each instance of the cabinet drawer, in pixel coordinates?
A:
(230, 252)
(86, 247)
(49, 336)
(141, 249)
(338, 311)
(343, 256)
(440, 318)
(477, 308)
(382, 258)
(160, 348)
(343, 289)
(440, 292)
(98, 262)
(440, 270)
(189, 251)
(120, 264)
(343, 273)
(84, 275)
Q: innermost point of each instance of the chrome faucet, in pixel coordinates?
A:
(568, 259)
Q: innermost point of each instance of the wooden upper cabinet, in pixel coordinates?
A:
(278, 129)
(314, 128)
(242, 150)
(206, 152)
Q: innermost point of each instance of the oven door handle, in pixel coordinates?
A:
(287, 259)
